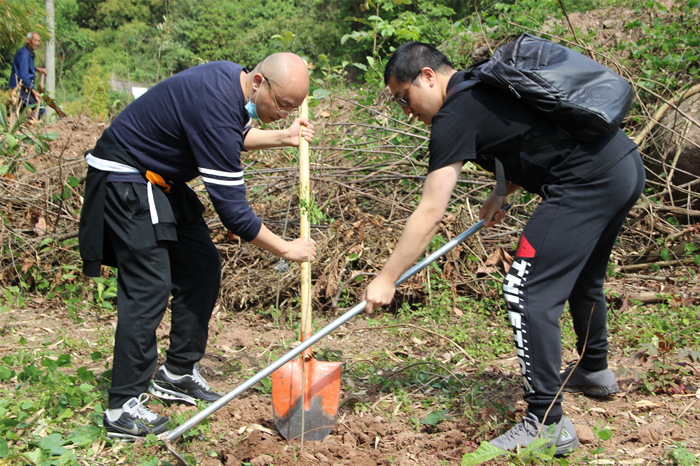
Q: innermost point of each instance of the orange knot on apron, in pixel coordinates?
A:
(156, 179)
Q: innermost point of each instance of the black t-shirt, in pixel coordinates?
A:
(484, 120)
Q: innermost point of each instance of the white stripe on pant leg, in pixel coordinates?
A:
(152, 204)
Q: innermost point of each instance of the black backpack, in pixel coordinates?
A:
(585, 98)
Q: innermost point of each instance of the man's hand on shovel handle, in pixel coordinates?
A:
(379, 293)
(301, 250)
(307, 131)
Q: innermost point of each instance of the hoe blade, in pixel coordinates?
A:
(318, 409)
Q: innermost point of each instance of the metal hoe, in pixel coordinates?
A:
(175, 434)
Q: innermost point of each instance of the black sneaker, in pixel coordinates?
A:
(599, 383)
(187, 388)
(136, 421)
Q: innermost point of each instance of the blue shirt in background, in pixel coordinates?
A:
(23, 69)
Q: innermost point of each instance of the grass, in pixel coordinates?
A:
(55, 383)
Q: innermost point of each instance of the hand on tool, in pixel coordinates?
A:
(491, 210)
(379, 293)
(307, 131)
(301, 250)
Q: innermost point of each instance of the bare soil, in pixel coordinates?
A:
(372, 427)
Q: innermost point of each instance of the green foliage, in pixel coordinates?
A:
(678, 455)
(96, 91)
(17, 19)
(13, 142)
(59, 395)
(668, 46)
(664, 342)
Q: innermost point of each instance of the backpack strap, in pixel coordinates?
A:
(459, 87)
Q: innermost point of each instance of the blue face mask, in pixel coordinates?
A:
(252, 107)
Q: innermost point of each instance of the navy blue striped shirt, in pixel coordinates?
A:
(192, 124)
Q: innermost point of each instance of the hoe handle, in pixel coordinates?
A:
(173, 435)
(304, 206)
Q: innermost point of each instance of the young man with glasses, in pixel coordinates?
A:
(140, 216)
(587, 190)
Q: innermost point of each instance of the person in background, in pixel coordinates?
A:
(24, 73)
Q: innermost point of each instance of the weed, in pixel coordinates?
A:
(677, 455)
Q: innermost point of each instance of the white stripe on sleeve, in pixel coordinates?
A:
(222, 182)
(209, 171)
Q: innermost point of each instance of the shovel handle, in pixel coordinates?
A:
(305, 227)
(199, 417)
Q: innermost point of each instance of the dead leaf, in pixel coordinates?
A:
(485, 270)
(40, 226)
(27, 265)
(647, 404)
(458, 312)
(325, 114)
(506, 258)
(493, 258)
(392, 356)
(263, 429)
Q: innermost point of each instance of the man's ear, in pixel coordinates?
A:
(257, 81)
(429, 75)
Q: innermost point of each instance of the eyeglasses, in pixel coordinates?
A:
(281, 113)
(401, 101)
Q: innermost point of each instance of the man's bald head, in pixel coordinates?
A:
(288, 76)
(283, 81)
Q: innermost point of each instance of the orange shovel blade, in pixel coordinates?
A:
(319, 408)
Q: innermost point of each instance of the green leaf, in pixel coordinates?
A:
(3, 119)
(434, 418)
(665, 254)
(72, 181)
(53, 443)
(67, 414)
(95, 356)
(360, 66)
(4, 450)
(359, 20)
(604, 434)
(321, 94)
(63, 360)
(538, 444)
(33, 456)
(84, 436)
(50, 136)
(485, 452)
(30, 168)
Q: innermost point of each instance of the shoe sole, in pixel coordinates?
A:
(171, 395)
(593, 391)
(128, 437)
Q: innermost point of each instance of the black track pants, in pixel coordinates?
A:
(563, 256)
(149, 272)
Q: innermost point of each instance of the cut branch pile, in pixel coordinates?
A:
(366, 176)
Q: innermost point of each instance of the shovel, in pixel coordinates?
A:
(173, 435)
(305, 392)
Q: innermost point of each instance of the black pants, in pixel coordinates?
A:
(563, 256)
(149, 272)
